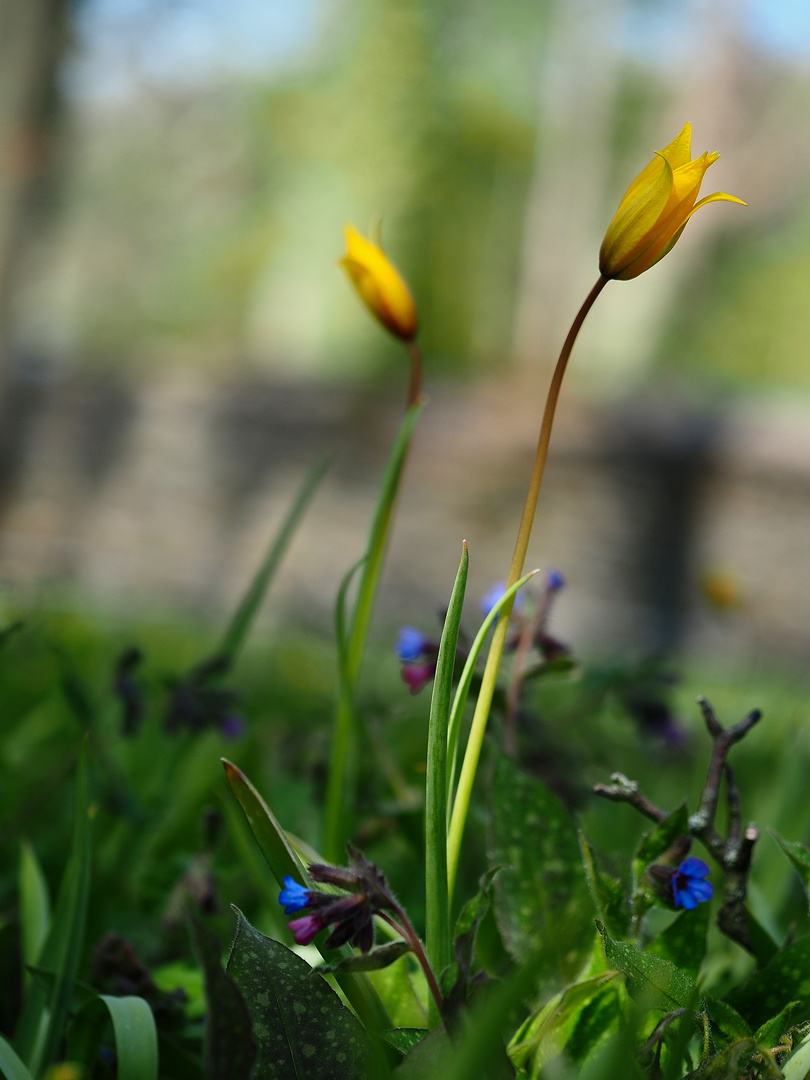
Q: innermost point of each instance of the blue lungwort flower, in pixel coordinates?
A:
(411, 644)
(293, 897)
(689, 885)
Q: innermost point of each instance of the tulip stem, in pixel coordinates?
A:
(415, 385)
(485, 694)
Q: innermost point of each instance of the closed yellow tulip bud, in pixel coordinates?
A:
(379, 285)
(655, 209)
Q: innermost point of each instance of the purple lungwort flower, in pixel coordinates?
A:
(305, 928)
(411, 644)
(689, 885)
(493, 595)
(416, 676)
(293, 897)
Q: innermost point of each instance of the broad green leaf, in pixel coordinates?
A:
(597, 1023)
(543, 1035)
(11, 1066)
(456, 977)
(282, 860)
(799, 857)
(763, 946)
(404, 1039)
(404, 991)
(430, 1058)
(786, 978)
(437, 903)
(469, 919)
(253, 598)
(37, 1041)
(726, 1019)
(229, 1049)
(657, 983)
(35, 905)
(271, 838)
(797, 1066)
(730, 1061)
(772, 1032)
(612, 907)
(613, 1058)
(657, 842)
(134, 1031)
(478, 1047)
(375, 960)
(683, 942)
(542, 904)
(301, 1028)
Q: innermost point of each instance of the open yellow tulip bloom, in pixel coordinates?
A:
(655, 209)
(379, 285)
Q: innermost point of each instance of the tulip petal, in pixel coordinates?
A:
(379, 285)
(679, 152)
(628, 233)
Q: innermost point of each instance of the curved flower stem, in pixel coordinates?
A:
(482, 707)
(415, 385)
(404, 928)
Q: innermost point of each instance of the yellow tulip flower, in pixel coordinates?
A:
(379, 285)
(655, 209)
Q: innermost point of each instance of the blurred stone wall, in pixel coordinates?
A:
(159, 498)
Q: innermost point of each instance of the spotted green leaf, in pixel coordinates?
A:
(786, 978)
(683, 942)
(301, 1028)
(541, 897)
(650, 979)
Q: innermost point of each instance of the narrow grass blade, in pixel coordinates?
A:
(437, 905)
(282, 860)
(37, 1043)
(463, 688)
(341, 635)
(252, 600)
(35, 906)
(461, 802)
(11, 1067)
(340, 793)
(134, 1032)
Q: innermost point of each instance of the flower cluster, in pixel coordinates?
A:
(418, 653)
(352, 916)
(198, 701)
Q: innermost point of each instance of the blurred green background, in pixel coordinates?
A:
(178, 344)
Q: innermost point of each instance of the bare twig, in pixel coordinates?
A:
(734, 853)
(624, 790)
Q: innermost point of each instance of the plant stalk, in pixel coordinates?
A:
(482, 707)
